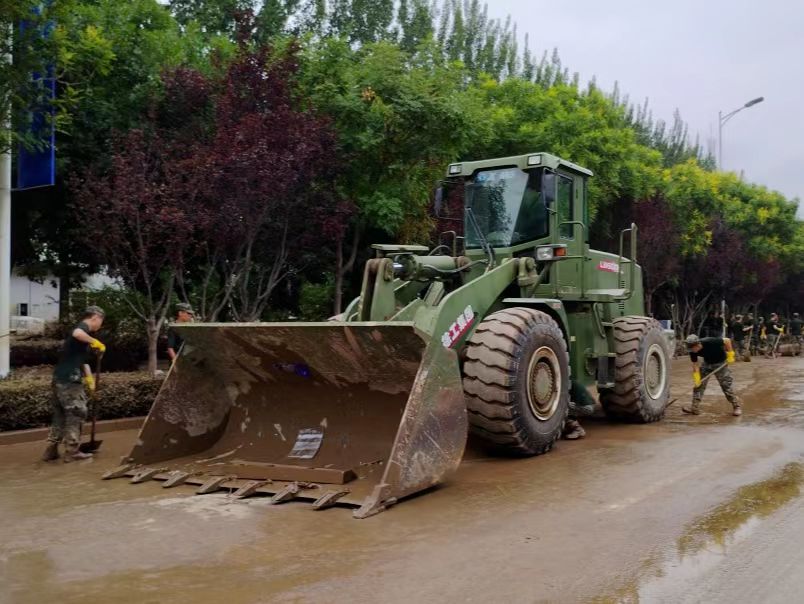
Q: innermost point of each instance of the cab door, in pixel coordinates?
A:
(569, 202)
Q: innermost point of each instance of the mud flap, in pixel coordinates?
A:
(368, 404)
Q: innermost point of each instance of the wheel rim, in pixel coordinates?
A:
(655, 371)
(544, 383)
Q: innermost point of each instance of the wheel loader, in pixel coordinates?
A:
(492, 333)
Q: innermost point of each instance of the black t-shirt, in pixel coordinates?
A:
(737, 331)
(795, 327)
(773, 327)
(174, 340)
(73, 354)
(713, 351)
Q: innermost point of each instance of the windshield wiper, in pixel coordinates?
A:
(484, 243)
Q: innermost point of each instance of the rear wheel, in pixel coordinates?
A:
(642, 379)
(516, 380)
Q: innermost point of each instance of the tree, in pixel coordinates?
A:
(137, 223)
(256, 183)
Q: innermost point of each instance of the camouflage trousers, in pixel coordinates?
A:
(69, 406)
(725, 380)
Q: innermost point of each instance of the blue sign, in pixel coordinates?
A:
(36, 167)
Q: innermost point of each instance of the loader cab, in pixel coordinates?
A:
(515, 203)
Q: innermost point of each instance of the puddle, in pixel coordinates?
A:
(707, 541)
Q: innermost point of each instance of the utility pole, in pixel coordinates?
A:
(5, 228)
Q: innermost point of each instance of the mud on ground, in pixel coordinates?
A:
(705, 508)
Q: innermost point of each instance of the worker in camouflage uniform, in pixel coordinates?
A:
(749, 329)
(775, 330)
(71, 376)
(738, 335)
(795, 332)
(717, 354)
(184, 314)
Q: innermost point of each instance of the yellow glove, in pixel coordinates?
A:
(730, 356)
(696, 378)
(89, 382)
(98, 345)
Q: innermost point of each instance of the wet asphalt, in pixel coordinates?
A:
(692, 509)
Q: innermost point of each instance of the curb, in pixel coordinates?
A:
(15, 437)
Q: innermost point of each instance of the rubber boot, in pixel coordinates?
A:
(74, 454)
(573, 430)
(51, 452)
(691, 410)
(738, 411)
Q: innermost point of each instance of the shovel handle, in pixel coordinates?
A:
(708, 375)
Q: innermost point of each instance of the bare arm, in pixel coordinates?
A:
(727, 344)
(171, 354)
(86, 370)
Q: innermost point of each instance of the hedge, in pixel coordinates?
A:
(25, 400)
(125, 353)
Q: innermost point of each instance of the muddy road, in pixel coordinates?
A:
(692, 509)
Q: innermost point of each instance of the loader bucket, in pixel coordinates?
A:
(355, 413)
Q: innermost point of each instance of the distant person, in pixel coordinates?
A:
(184, 314)
(750, 334)
(711, 325)
(774, 329)
(795, 333)
(738, 335)
(71, 376)
(717, 354)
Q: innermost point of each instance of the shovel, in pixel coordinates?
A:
(93, 445)
(703, 381)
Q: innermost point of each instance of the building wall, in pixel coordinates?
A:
(42, 299)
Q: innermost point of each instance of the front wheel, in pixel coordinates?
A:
(517, 380)
(642, 378)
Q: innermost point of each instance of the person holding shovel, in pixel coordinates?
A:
(70, 378)
(717, 354)
(184, 314)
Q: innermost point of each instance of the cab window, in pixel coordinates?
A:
(564, 206)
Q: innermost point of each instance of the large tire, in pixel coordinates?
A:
(517, 381)
(642, 378)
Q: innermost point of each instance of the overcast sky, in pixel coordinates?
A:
(699, 56)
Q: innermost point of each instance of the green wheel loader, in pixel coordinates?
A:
(490, 334)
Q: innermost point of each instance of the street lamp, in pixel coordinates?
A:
(722, 119)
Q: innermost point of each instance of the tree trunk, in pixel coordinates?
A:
(152, 330)
(337, 305)
(342, 269)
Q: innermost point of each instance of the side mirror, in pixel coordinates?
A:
(549, 188)
(438, 201)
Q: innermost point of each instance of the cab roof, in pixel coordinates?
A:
(529, 160)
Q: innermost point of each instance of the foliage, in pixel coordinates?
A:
(25, 399)
(266, 143)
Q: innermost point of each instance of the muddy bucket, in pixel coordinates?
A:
(355, 413)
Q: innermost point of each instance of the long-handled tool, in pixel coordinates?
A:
(775, 345)
(708, 375)
(93, 445)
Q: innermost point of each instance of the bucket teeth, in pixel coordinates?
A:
(145, 474)
(212, 485)
(176, 478)
(249, 488)
(286, 494)
(119, 471)
(328, 499)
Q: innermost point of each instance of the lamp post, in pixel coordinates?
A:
(721, 121)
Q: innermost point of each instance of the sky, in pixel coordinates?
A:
(700, 56)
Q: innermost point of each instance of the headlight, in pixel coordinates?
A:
(455, 169)
(544, 253)
(535, 160)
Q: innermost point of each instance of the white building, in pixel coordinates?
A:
(33, 299)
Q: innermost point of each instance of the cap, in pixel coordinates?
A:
(692, 340)
(184, 307)
(94, 310)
